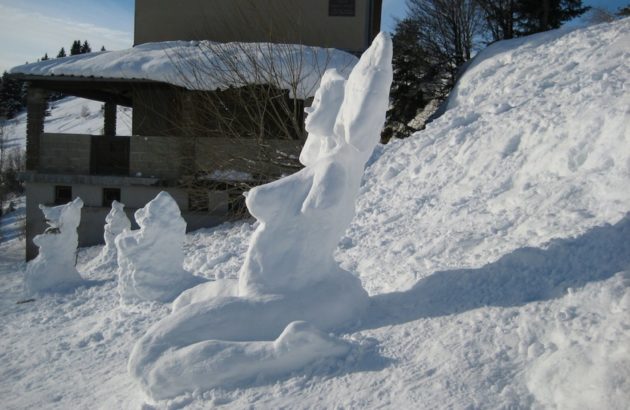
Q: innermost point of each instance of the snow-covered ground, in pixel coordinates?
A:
(495, 246)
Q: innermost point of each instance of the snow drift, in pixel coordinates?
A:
(535, 144)
(289, 273)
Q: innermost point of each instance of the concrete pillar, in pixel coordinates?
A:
(109, 128)
(189, 140)
(36, 105)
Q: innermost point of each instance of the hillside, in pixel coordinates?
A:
(70, 115)
(495, 245)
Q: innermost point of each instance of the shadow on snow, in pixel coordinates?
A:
(523, 276)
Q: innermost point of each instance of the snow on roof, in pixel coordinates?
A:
(205, 65)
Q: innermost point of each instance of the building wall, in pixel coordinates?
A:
(284, 21)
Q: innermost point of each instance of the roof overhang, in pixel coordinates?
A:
(114, 90)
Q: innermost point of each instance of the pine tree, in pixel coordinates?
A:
(542, 15)
(103, 48)
(412, 79)
(76, 48)
(85, 48)
(45, 57)
(624, 11)
(507, 19)
(62, 53)
(11, 101)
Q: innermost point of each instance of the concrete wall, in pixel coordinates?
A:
(65, 153)
(93, 213)
(283, 21)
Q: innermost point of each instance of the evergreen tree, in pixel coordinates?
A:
(76, 48)
(45, 57)
(542, 15)
(624, 11)
(103, 48)
(11, 99)
(415, 80)
(62, 53)
(85, 48)
(507, 19)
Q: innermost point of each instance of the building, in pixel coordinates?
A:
(198, 130)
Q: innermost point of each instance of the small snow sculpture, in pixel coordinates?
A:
(115, 223)
(221, 333)
(150, 260)
(54, 267)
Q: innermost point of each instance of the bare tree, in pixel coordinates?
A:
(449, 31)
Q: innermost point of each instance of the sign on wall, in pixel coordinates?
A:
(341, 8)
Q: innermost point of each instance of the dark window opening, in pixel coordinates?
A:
(110, 195)
(341, 8)
(63, 194)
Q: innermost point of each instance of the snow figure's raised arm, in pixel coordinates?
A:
(367, 97)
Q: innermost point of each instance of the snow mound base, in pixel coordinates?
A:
(222, 333)
(54, 267)
(150, 259)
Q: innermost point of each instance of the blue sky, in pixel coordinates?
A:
(30, 28)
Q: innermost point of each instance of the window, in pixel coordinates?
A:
(63, 194)
(110, 195)
(341, 8)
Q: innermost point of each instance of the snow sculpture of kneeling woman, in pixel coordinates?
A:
(289, 274)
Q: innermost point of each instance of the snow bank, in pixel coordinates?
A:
(150, 259)
(204, 65)
(534, 146)
(54, 267)
(116, 222)
(289, 273)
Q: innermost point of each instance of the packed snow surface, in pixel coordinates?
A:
(296, 68)
(495, 246)
(289, 274)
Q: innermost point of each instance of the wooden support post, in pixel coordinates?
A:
(109, 127)
(36, 105)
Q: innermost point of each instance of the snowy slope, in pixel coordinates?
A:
(495, 245)
(70, 115)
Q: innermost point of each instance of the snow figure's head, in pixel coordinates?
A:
(63, 217)
(321, 117)
(161, 213)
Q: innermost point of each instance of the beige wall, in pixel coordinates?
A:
(286, 21)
